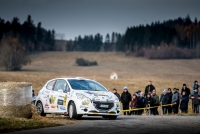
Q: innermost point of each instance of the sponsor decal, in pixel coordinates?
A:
(52, 100)
(53, 106)
(60, 102)
(46, 104)
(65, 101)
(96, 94)
(62, 108)
(85, 102)
(61, 96)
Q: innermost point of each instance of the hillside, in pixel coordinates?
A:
(132, 72)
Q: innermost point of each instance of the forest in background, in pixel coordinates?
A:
(178, 38)
(31, 37)
(181, 35)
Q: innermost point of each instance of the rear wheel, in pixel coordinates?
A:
(40, 108)
(111, 117)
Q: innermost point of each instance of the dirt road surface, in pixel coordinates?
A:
(126, 125)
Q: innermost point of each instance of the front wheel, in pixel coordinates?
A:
(111, 117)
(40, 109)
(72, 111)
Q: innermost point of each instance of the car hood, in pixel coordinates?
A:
(105, 96)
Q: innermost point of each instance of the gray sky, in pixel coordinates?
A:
(84, 17)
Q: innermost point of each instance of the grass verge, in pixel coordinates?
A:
(16, 124)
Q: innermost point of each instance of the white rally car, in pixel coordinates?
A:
(77, 97)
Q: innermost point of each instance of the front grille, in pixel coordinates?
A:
(103, 106)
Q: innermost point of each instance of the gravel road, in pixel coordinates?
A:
(126, 124)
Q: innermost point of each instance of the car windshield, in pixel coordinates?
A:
(85, 85)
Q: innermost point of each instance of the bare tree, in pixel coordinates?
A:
(12, 54)
(60, 35)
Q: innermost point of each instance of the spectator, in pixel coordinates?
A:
(133, 104)
(184, 102)
(141, 103)
(138, 93)
(115, 92)
(164, 99)
(175, 99)
(149, 88)
(33, 97)
(186, 89)
(149, 102)
(170, 100)
(187, 92)
(195, 86)
(155, 98)
(195, 101)
(125, 100)
(33, 94)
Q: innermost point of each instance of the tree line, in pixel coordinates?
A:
(180, 32)
(33, 38)
(95, 43)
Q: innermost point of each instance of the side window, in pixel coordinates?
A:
(61, 85)
(67, 88)
(50, 85)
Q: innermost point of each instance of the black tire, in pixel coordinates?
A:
(112, 117)
(72, 111)
(79, 116)
(40, 108)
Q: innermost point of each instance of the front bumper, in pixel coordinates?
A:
(95, 108)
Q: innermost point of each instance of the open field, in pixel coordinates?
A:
(132, 72)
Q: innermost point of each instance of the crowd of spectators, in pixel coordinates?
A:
(148, 101)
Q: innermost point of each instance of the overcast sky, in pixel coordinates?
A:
(84, 17)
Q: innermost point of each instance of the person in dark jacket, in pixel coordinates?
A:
(149, 88)
(187, 92)
(141, 103)
(185, 89)
(184, 102)
(175, 100)
(133, 104)
(125, 100)
(149, 103)
(155, 98)
(164, 99)
(195, 101)
(169, 93)
(195, 86)
(33, 94)
(115, 93)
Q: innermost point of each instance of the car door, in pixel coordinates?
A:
(47, 94)
(58, 97)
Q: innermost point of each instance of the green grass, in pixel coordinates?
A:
(16, 124)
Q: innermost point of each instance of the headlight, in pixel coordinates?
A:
(116, 101)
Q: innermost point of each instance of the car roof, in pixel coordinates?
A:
(75, 78)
